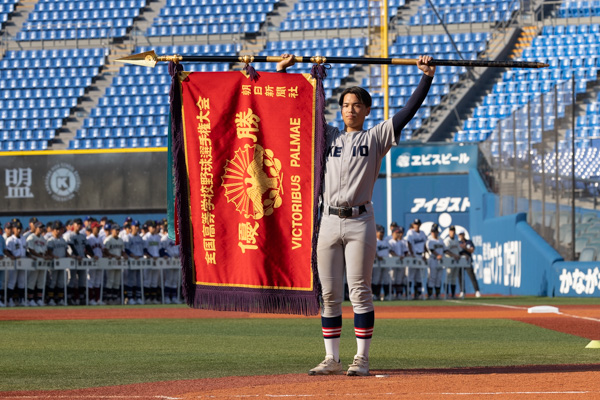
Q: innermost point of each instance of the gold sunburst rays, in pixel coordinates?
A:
(253, 181)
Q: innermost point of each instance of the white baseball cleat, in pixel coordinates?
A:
(327, 367)
(359, 367)
(477, 294)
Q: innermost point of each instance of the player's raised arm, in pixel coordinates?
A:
(406, 113)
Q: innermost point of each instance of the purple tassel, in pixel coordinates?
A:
(251, 73)
(181, 184)
(318, 72)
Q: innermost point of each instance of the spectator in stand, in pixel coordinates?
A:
(134, 247)
(37, 249)
(57, 248)
(399, 248)
(152, 251)
(453, 247)
(467, 248)
(15, 249)
(170, 249)
(96, 251)
(76, 248)
(114, 248)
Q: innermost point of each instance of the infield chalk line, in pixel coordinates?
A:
(526, 308)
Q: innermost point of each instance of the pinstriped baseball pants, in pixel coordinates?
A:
(350, 243)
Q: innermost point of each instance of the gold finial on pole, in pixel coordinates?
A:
(175, 58)
(318, 59)
(247, 59)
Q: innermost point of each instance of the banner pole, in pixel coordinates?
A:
(150, 59)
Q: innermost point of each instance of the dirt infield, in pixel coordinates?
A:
(546, 382)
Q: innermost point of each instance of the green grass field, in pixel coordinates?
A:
(41, 355)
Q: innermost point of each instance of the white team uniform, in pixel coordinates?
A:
(152, 246)
(171, 276)
(17, 246)
(115, 247)
(36, 278)
(381, 276)
(95, 275)
(436, 271)
(400, 248)
(57, 247)
(417, 241)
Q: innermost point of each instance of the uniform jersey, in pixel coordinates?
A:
(169, 246)
(468, 245)
(114, 245)
(134, 245)
(435, 248)
(417, 241)
(47, 235)
(17, 246)
(37, 244)
(57, 246)
(152, 244)
(103, 234)
(96, 244)
(2, 246)
(353, 163)
(399, 247)
(76, 242)
(452, 245)
(383, 249)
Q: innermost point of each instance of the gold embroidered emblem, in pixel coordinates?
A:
(253, 181)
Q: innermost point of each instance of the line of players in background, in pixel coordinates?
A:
(89, 239)
(432, 249)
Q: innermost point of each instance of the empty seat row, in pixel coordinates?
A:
(117, 143)
(123, 131)
(203, 29)
(24, 145)
(216, 10)
(84, 72)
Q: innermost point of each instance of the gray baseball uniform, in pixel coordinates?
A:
(436, 271)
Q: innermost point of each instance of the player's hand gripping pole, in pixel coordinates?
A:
(150, 59)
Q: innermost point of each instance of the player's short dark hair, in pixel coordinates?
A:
(362, 94)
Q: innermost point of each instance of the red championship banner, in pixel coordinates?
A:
(250, 156)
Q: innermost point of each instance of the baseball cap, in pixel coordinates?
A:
(135, 223)
(380, 228)
(394, 224)
(435, 228)
(8, 225)
(33, 220)
(150, 223)
(461, 232)
(452, 228)
(17, 225)
(88, 218)
(417, 221)
(38, 225)
(114, 226)
(57, 225)
(78, 221)
(95, 225)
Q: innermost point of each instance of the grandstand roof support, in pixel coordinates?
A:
(150, 59)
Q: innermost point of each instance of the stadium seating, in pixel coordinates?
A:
(134, 112)
(38, 89)
(575, 9)
(6, 8)
(335, 14)
(80, 19)
(404, 79)
(204, 17)
(461, 12)
(573, 54)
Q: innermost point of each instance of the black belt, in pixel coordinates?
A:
(346, 212)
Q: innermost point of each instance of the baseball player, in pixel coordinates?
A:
(95, 244)
(170, 249)
(16, 248)
(57, 248)
(37, 249)
(399, 248)
(393, 227)
(381, 276)
(453, 247)
(347, 231)
(113, 248)
(435, 251)
(76, 248)
(467, 249)
(416, 240)
(31, 227)
(134, 247)
(151, 250)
